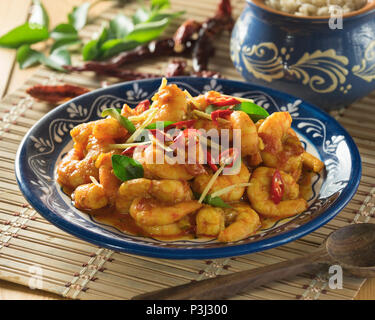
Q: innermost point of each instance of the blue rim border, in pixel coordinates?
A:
(194, 253)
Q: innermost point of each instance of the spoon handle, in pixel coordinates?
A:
(231, 284)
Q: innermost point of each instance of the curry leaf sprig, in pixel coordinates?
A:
(122, 33)
(36, 30)
(125, 33)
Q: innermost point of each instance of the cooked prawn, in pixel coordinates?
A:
(245, 223)
(167, 191)
(223, 181)
(108, 128)
(282, 148)
(81, 135)
(209, 221)
(179, 228)
(149, 157)
(249, 136)
(208, 125)
(259, 194)
(166, 230)
(107, 178)
(67, 166)
(73, 171)
(151, 212)
(90, 196)
(172, 104)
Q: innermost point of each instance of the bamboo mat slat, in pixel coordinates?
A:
(79, 270)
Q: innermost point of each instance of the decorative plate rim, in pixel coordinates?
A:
(191, 252)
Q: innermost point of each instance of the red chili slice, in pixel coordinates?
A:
(220, 114)
(277, 187)
(142, 106)
(128, 151)
(210, 162)
(222, 101)
(182, 124)
(229, 153)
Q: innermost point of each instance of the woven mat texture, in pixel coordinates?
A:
(76, 269)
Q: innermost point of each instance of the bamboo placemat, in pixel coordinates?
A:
(35, 253)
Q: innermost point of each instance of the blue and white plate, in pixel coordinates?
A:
(49, 139)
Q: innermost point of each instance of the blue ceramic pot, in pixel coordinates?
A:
(305, 56)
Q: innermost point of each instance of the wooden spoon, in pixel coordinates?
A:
(352, 247)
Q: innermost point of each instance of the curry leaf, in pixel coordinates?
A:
(213, 201)
(27, 33)
(91, 49)
(145, 32)
(156, 16)
(57, 59)
(254, 111)
(159, 124)
(27, 57)
(64, 31)
(126, 168)
(125, 122)
(78, 17)
(160, 4)
(114, 46)
(120, 26)
(66, 44)
(141, 15)
(39, 14)
(210, 108)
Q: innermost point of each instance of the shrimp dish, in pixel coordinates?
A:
(183, 167)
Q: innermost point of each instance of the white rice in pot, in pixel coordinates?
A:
(314, 7)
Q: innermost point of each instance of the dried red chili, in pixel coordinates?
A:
(176, 68)
(207, 74)
(203, 48)
(186, 32)
(56, 93)
(277, 187)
